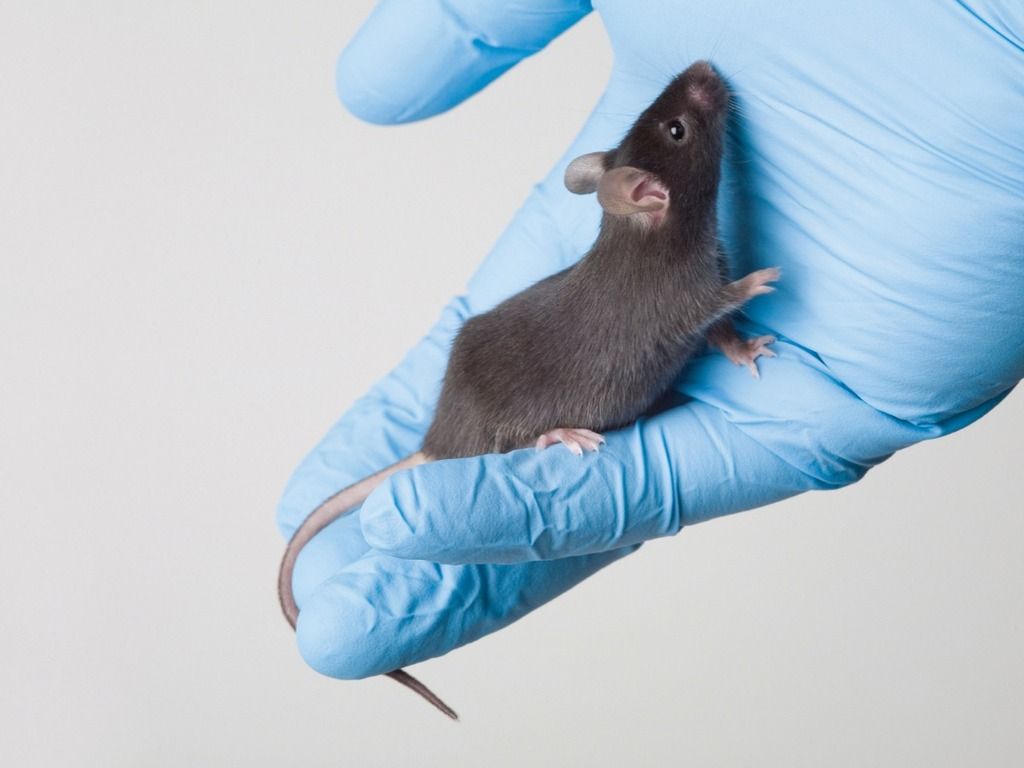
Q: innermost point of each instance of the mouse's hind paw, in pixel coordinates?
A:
(576, 440)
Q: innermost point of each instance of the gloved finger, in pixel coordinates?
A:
(412, 60)
(793, 430)
(381, 613)
(332, 550)
(382, 427)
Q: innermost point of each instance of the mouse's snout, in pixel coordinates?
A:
(705, 90)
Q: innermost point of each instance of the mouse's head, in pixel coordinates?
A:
(670, 160)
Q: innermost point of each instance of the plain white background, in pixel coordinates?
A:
(205, 260)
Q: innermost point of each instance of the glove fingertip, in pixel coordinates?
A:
(355, 93)
(332, 639)
(409, 62)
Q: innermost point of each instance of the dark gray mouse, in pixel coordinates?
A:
(592, 347)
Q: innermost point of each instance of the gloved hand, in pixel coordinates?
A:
(876, 154)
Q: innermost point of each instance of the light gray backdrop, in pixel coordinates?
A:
(205, 260)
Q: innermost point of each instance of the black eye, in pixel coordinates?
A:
(677, 130)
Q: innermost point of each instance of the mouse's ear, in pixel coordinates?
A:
(625, 190)
(584, 173)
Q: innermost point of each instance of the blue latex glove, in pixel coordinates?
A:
(877, 157)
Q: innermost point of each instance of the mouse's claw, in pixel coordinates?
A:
(576, 440)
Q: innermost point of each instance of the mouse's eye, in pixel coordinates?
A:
(677, 130)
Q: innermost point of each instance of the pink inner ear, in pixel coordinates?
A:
(626, 190)
(649, 188)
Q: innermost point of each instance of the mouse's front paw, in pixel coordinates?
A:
(746, 351)
(759, 283)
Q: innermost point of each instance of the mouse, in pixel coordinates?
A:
(592, 347)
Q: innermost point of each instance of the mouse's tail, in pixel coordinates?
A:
(410, 682)
(336, 506)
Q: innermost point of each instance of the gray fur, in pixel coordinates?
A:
(595, 345)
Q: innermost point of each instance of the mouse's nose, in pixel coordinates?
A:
(702, 67)
(706, 89)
